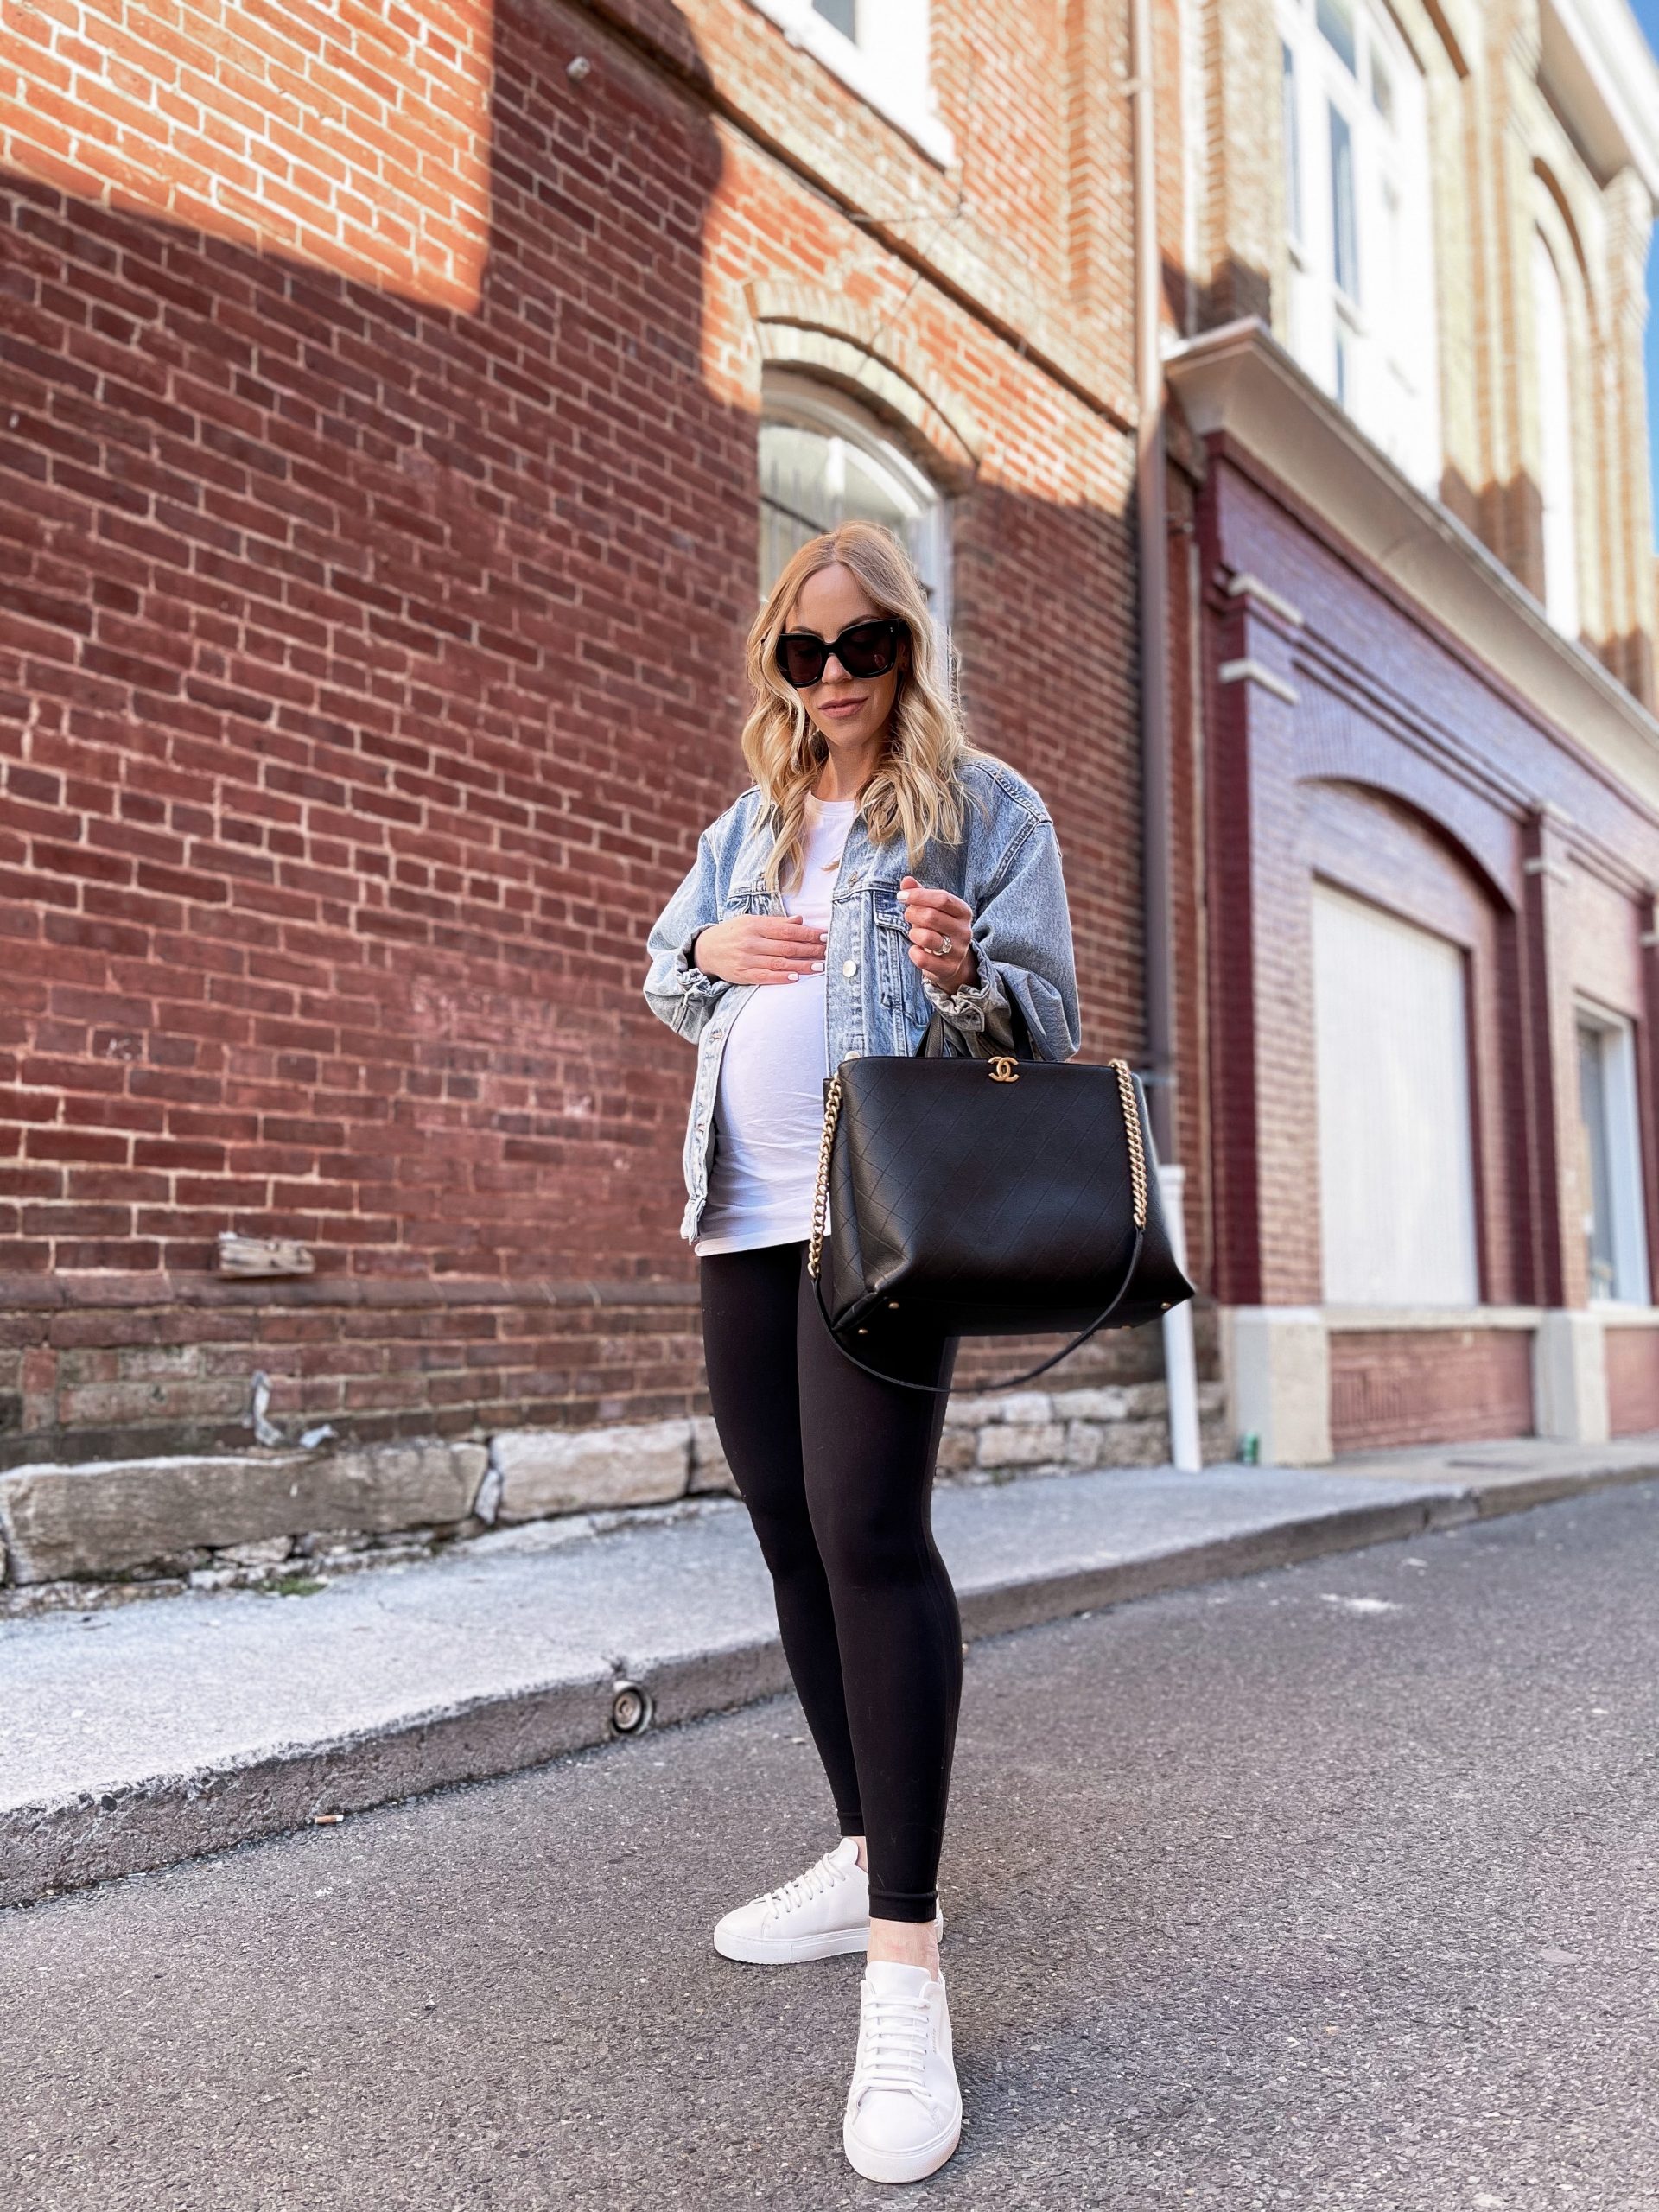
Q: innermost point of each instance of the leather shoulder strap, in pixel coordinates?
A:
(1030, 1375)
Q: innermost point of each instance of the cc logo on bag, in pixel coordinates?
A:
(1003, 1071)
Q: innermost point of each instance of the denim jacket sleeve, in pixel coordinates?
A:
(676, 990)
(1022, 941)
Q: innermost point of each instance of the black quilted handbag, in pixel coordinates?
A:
(999, 1196)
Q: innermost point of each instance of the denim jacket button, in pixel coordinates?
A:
(849, 967)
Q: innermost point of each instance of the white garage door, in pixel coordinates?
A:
(1396, 1187)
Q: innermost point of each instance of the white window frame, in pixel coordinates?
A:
(790, 397)
(886, 65)
(1375, 352)
(1627, 1221)
(1558, 492)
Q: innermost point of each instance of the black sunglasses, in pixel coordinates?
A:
(864, 649)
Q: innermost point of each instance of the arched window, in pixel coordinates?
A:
(823, 462)
(1557, 489)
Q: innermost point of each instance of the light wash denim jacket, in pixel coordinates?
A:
(1007, 868)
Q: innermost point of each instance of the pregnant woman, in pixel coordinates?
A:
(880, 867)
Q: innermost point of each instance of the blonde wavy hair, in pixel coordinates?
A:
(915, 791)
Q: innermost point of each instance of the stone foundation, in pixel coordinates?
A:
(105, 1531)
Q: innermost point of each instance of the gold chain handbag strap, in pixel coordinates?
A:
(1138, 1191)
(1132, 1130)
(820, 1195)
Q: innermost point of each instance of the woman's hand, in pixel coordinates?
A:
(940, 941)
(760, 949)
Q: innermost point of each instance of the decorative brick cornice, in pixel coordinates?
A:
(1238, 384)
(1245, 586)
(1255, 672)
(1611, 82)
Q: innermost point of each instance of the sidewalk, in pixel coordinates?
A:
(136, 1738)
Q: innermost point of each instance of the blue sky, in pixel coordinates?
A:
(1647, 14)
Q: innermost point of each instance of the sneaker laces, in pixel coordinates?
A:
(800, 1889)
(892, 2043)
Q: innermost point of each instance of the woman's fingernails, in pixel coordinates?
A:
(818, 967)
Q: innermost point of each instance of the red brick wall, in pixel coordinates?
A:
(369, 663)
(1632, 1380)
(1415, 1386)
(359, 140)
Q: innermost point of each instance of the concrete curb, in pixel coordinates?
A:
(80, 1839)
(1519, 1497)
(1028, 1602)
(173, 1817)
(78, 1842)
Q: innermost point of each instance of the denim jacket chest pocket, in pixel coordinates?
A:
(898, 980)
(747, 898)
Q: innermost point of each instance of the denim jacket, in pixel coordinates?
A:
(1006, 867)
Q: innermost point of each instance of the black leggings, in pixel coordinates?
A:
(836, 1468)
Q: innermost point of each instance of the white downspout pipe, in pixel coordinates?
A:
(1180, 1362)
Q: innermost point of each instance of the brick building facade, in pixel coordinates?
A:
(382, 522)
(397, 422)
(1420, 589)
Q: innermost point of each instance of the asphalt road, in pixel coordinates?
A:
(1334, 1888)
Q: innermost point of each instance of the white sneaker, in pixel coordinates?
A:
(817, 1914)
(904, 2109)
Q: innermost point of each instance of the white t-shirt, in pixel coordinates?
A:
(769, 1108)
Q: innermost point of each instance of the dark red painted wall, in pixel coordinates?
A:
(1405, 771)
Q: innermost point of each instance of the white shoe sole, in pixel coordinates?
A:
(796, 1950)
(900, 2166)
(790, 1950)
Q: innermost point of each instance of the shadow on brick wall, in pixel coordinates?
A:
(1234, 290)
(369, 668)
(1509, 519)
